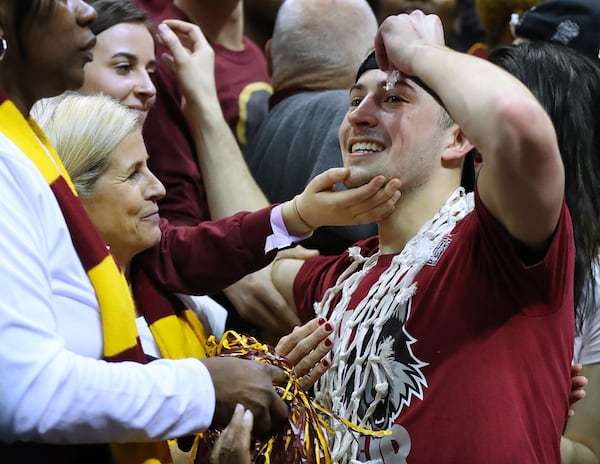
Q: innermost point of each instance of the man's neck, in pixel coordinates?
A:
(412, 211)
(221, 22)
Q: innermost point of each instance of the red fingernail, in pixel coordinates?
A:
(328, 327)
(325, 362)
(328, 342)
(321, 321)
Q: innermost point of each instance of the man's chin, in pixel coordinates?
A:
(355, 181)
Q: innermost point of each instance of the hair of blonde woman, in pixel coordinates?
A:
(320, 42)
(85, 131)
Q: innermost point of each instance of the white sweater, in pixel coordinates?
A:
(53, 385)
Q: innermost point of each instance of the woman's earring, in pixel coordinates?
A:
(3, 47)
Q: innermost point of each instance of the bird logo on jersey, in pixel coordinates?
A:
(395, 379)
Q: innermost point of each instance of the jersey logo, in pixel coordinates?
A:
(438, 251)
(565, 32)
(398, 368)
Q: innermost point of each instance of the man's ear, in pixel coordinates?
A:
(457, 148)
(269, 58)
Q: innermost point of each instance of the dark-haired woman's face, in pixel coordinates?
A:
(123, 67)
(56, 48)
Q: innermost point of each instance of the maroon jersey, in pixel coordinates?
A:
(481, 352)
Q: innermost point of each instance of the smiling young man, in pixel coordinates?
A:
(454, 320)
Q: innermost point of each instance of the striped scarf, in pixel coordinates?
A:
(177, 331)
(177, 337)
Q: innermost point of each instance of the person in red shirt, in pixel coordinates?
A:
(460, 312)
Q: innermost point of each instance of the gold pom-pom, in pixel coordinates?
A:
(302, 439)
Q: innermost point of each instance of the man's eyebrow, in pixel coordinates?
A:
(405, 81)
(382, 84)
(356, 87)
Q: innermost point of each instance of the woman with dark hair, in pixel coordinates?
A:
(74, 375)
(124, 60)
(568, 86)
(113, 12)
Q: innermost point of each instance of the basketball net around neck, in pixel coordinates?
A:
(385, 299)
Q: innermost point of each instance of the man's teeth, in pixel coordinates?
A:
(366, 146)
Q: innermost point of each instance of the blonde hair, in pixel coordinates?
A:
(85, 130)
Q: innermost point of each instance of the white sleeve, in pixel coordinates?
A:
(587, 345)
(280, 238)
(49, 391)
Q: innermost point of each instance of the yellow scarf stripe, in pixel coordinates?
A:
(20, 132)
(118, 315)
(180, 337)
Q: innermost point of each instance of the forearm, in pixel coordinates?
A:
(198, 260)
(230, 187)
(228, 183)
(479, 96)
(284, 272)
(521, 179)
(576, 453)
(57, 395)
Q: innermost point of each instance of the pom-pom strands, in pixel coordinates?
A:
(302, 440)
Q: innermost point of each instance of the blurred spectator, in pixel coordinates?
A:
(574, 23)
(495, 15)
(197, 173)
(259, 19)
(316, 47)
(243, 83)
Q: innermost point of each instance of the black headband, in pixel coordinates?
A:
(370, 62)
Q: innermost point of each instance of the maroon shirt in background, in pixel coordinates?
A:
(243, 88)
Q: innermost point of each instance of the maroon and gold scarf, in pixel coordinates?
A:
(120, 336)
